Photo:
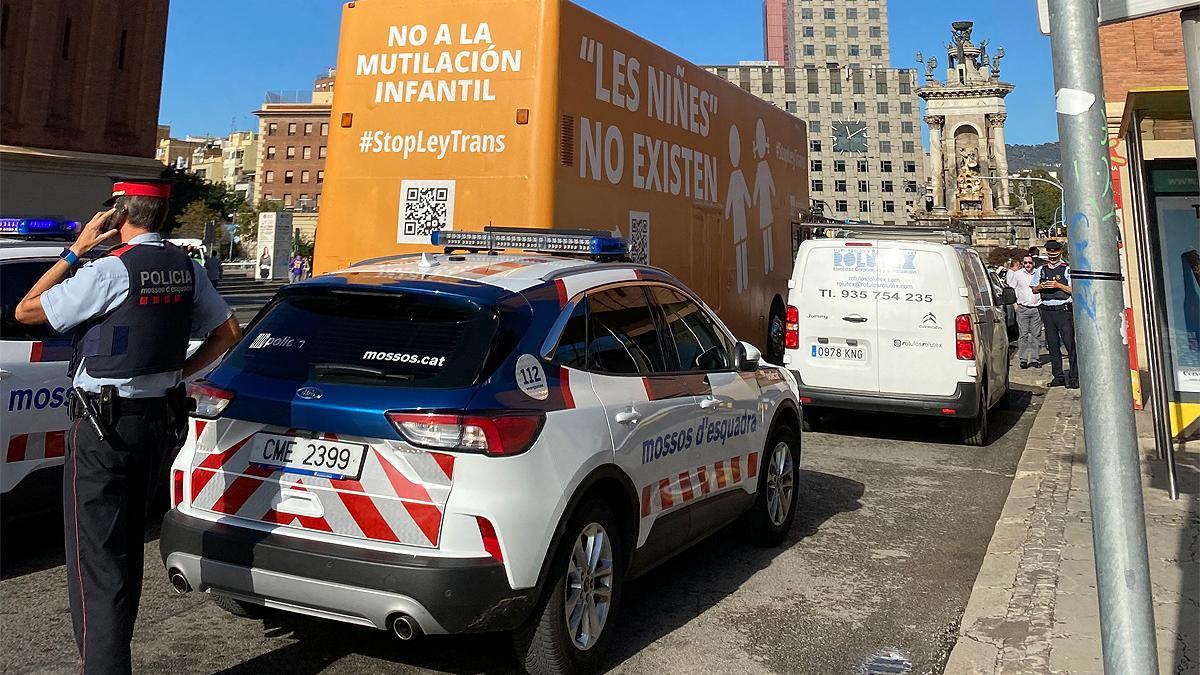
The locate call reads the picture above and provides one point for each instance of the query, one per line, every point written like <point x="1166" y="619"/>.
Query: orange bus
<point x="459" y="114"/>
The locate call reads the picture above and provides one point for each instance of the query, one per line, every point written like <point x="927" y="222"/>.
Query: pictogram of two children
<point x="740" y="199"/>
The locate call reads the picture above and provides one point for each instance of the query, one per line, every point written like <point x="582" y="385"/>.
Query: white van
<point x="898" y="325"/>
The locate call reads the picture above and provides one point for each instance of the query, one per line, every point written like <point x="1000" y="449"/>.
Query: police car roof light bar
<point x="592" y="243"/>
<point x="33" y="227"/>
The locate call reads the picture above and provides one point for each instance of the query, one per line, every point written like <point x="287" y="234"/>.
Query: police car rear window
<point x="369" y="338"/>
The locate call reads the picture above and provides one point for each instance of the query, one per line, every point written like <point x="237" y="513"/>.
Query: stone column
<point x="996" y="138"/>
<point x="937" y="168"/>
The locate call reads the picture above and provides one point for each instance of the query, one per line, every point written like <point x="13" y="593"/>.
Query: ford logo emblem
<point x="309" y="393"/>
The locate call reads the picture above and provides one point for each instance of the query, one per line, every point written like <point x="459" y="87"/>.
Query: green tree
<point x="247" y="217"/>
<point x="301" y="245"/>
<point x="1046" y="199"/>
<point x="188" y="188"/>
<point x="194" y="221"/>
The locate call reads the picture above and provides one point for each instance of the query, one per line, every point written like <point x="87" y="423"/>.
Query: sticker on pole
<point x="531" y="378"/>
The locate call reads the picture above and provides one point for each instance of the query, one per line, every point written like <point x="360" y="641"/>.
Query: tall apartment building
<point x="776" y="19"/>
<point x="866" y="161"/>
<point x="79" y="93"/>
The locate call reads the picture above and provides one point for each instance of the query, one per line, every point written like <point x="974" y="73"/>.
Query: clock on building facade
<point x="849" y="136"/>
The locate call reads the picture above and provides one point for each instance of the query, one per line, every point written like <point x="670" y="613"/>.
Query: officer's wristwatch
<point x="69" y="256"/>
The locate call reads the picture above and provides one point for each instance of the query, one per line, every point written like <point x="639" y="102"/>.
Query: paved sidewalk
<point x="1034" y="607"/>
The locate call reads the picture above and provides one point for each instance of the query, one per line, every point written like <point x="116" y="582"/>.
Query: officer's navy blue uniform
<point x="136" y="309"/>
<point x="1058" y="320"/>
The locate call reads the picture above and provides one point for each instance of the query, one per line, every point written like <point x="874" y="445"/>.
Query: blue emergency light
<point x="45" y="227"/>
<point x="534" y="240"/>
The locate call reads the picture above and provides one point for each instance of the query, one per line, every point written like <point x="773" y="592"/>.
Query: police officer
<point x="134" y="309"/>
<point x="1053" y="282"/>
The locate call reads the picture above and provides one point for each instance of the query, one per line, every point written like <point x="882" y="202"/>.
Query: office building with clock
<point x="866" y="160"/>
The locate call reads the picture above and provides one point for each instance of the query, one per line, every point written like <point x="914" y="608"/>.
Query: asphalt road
<point x="895" y="521"/>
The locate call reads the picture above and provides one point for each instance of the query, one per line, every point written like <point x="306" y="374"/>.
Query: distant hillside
<point x="1042" y="156"/>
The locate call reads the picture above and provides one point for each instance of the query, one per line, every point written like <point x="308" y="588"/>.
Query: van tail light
<point x="791" y="328"/>
<point x="176" y="488"/>
<point x="498" y="435"/>
<point x="491" y="543"/>
<point x="964" y="338"/>
<point x="210" y="401"/>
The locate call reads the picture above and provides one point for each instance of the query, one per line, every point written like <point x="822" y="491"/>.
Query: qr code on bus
<point x="426" y="206"/>
<point x="639" y="237"/>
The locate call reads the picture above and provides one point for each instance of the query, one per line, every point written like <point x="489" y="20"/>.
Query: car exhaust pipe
<point x="179" y="583"/>
<point x="405" y="627"/>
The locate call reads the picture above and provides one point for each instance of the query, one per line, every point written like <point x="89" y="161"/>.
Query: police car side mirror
<point x="746" y="357"/>
<point x="1008" y="296"/>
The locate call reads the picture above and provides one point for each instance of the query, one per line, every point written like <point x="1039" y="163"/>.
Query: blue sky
<point x="223" y="54"/>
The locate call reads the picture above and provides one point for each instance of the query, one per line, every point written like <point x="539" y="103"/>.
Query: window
<point x="863" y="166"/>
<point x="909" y="147"/>
<point x="840" y="206"/>
<point x="885" y="166"/>
<point x="888" y="186"/>
<point x="889" y="207"/>
<point x="806" y="14"/>
<point x="863" y="186"/>
<point x="790" y="106"/>
<point x="815" y="145"/>
<point x="302" y="201"/>
<point x="808" y="31"/>
<point x="873" y="13"/>
<point x="852" y="31"/>
<point x="320" y="179"/>
<point x="829" y="13"/>
<point x="876" y="31"/>
<point x="815" y="165"/>
<point x="272" y="128"/>
<point x="287" y="199"/>
<point x="906" y="127"/>
<point x="864" y="206"/>
<point x="905" y="85"/>
<point x="789" y="81"/>
<point x="744" y="78"/>
<point x="270" y="176"/>
<point x="885" y="147"/>
<point x="268" y="196"/>
<point x="881" y="107"/>
<point x="307" y="128"/>
<point x="572" y="342"/>
<point x="852" y="50"/>
<point x="768" y="81"/>
<point x="839" y="185"/>
<point x="906" y="107"/>
<point x="831" y="51"/>
<point x="304" y="176"/>
<point x="860" y="108"/>
<point x="291" y="152"/>
<point x="306" y="152"/>
<point x="814" y="86"/>
<point x="910" y="186"/>
<point x="852" y="13"/>
<point x="15" y="279"/>
<point x="885" y="127"/>
<point x="881" y="85"/>
<point x="814" y="126"/>
<point x="321" y="152"/>
<point x="818" y="186"/>
<point x="859" y="87"/>
<point x="809" y="50"/>
<point x="814" y="107"/>
<point x="698" y="344"/>
<point x="839" y="165"/>
<point x="291" y="128"/>
<point x="830" y="32"/>
<point x="910" y="167"/>
<point x="289" y="176"/>
<point x="835" y="107"/>
<point x="324" y="128"/>
<point x="270" y="152"/>
<point x="622" y="336"/>
<point x="835" y="80"/>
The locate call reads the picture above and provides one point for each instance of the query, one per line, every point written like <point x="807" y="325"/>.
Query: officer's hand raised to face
<point x="93" y="234"/>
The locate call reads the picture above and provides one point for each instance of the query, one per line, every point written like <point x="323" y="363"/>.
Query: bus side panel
<point x="434" y="89"/>
<point x="648" y="140"/>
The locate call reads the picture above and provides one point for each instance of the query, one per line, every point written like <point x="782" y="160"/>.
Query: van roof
<point x="948" y="234"/>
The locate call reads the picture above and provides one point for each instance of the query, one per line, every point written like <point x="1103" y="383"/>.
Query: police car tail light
<point x="491" y="543"/>
<point x="498" y="435"/>
<point x="210" y="401"/>
<point x="176" y="488"/>
<point x="791" y="328"/>
<point x="964" y="338"/>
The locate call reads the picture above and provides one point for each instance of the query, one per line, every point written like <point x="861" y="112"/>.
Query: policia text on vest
<point x="133" y="312"/>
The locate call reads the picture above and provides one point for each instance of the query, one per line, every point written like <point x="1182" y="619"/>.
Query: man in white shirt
<point x="1029" y="318"/>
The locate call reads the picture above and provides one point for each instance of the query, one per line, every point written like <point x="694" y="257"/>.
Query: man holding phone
<point x="1052" y="282"/>
<point x="134" y="310"/>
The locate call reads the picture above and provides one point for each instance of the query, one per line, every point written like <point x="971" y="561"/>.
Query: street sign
<point x="1114" y="11"/>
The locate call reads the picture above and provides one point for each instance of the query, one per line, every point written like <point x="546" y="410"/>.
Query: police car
<point x="33" y="359"/>
<point x="448" y="443"/>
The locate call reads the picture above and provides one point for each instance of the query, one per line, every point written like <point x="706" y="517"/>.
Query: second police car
<point x="455" y="443"/>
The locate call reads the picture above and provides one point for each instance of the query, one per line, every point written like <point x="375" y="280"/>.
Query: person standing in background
<point x="1053" y="283"/>
<point x="1029" y="317"/>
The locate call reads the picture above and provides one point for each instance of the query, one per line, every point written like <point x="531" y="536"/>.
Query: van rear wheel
<point x="776" y="329"/>
<point x="974" y="430"/>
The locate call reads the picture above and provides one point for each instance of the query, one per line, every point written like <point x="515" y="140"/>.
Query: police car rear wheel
<point x="568" y="631"/>
<point x="775" y="505"/>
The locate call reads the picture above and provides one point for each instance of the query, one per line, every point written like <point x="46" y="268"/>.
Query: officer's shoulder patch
<point x="121" y="250"/>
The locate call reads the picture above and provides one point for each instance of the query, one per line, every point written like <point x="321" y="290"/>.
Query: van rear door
<point x="919" y="298"/>
<point x="838" y="327"/>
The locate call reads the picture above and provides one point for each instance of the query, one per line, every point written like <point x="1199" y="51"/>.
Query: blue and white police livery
<point x="450" y="443"/>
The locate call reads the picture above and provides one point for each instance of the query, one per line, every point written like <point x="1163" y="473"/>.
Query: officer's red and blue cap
<point x="139" y="187"/>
